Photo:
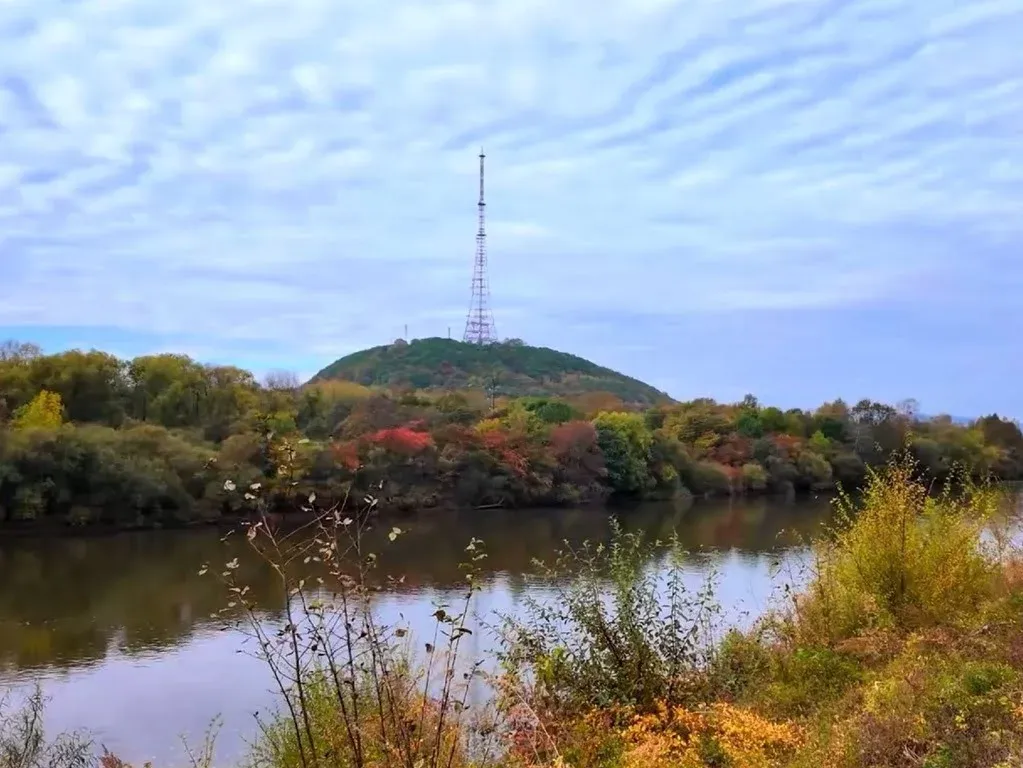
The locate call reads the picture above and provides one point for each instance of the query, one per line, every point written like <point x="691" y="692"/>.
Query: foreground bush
<point x="902" y="557"/>
<point x="905" y="649"/>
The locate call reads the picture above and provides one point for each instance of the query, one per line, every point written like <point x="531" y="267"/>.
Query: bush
<point x="900" y="558"/>
<point x="754" y="477"/>
<point x="707" y="478"/>
<point x="615" y="634"/>
<point x="23" y="744"/>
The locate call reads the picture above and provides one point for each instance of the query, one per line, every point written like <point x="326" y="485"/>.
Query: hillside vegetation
<point x="88" y="439"/>
<point x="511" y="367"/>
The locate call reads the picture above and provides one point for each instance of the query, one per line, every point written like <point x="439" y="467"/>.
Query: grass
<point x="905" y="650"/>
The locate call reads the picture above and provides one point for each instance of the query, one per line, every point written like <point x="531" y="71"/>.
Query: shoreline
<point x="61" y="530"/>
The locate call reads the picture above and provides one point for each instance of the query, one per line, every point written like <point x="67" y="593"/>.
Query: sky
<point x="802" y="199"/>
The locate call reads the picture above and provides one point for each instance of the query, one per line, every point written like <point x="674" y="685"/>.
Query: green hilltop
<point x="519" y="370"/>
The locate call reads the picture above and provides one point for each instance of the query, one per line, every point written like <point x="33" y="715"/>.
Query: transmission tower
<point x="479" y="324"/>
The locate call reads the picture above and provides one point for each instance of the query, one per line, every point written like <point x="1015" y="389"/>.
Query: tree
<point x="1001" y="432"/>
<point x="574" y="446"/>
<point x="625" y="442"/>
<point x="749" y="424"/>
<point x="754" y="477"/>
<point x="45" y="411"/>
<point x="694" y="421"/>
<point x="18" y="351"/>
<point x="171" y="390"/>
<point x="403" y="441"/>
<point x="872" y="413"/>
<point x="549" y="411"/>
<point x="92" y="385"/>
<point x="281" y="381"/>
<point x="908" y="408"/>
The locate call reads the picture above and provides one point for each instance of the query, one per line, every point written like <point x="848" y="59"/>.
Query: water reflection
<point x="118" y="628"/>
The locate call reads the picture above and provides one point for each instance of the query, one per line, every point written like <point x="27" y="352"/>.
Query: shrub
<point x="350" y="691"/>
<point x="707" y="477"/>
<point x="614" y="634"/>
<point x="754" y="477"/>
<point x="900" y="557"/>
<point x="23" y="744"/>
<point x="740" y="663"/>
<point x="720" y="735"/>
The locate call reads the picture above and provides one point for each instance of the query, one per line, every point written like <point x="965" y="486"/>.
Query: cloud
<point x="301" y="176"/>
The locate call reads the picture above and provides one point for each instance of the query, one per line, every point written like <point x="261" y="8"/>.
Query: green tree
<point x="168" y="389"/>
<point x="625" y="441"/>
<point x="549" y="410"/>
<point x="749" y="425"/>
<point x="92" y="385"/>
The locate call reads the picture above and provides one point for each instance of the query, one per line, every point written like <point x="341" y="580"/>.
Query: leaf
<point x="395" y="533"/>
<point x="400" y="632"/>
<point x="229" y="486"/>
<point x="312" y="497"/>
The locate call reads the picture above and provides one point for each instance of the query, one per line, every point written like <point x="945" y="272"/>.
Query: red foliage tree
<point x="574" y="447"/>
<point x="734" y="451"/>
<point x="404" y="441"/>
<point x="346" y="455"/>
<point x="500" y="444"/>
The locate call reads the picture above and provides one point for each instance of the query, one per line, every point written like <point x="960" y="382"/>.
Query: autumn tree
<point x="579" y="458"/>
<point x="45" y="411"/>
<point x="625" y="442"/>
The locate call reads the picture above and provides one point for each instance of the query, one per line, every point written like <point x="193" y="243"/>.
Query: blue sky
<point x="797" y="198"/>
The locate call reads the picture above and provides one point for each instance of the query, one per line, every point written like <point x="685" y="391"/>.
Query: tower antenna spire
<point x="479" y="323"/>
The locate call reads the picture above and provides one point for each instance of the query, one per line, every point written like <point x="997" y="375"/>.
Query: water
<point x="117" y="629"/>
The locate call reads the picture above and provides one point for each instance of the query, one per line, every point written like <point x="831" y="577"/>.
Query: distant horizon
<point x="304" y="377"/>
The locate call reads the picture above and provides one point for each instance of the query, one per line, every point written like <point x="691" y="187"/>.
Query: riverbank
<point x="97" y="478"/>
<point x="93" y="442"/>
<point x="903" y="649"/>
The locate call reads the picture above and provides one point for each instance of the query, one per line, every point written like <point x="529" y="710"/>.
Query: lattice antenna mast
<point x="479" y="324"/>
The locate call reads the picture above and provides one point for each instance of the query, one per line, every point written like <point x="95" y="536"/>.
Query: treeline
<point x="87" y="438"/>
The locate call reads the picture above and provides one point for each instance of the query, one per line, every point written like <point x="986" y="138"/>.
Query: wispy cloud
<point x="298" y="178"/>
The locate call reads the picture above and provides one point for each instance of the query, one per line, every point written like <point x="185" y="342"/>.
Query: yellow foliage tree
<point x="45" y="411"/>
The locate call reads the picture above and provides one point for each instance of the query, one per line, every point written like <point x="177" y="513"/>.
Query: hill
<point x="519" y="369"/>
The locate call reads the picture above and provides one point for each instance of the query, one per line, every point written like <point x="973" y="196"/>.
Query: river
<point x="117" y="629"/>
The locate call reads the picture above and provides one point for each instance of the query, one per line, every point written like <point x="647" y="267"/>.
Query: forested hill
<point x="512" y="367"/>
